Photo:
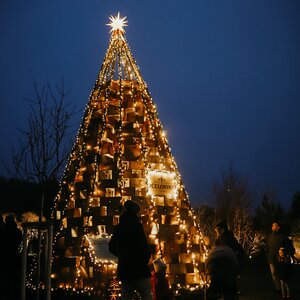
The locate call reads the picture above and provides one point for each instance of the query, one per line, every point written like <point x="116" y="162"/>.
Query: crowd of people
<point x="144" y="273"/>
<point x="129" y="244"/>
<point x="138" y="272"/>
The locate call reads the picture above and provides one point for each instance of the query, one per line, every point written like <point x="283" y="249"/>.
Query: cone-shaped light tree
<point x="120" y="153"/>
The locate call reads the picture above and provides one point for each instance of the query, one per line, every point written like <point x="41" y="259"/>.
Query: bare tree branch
<point x="232" y="198"/>
<point x="45" y="144"/>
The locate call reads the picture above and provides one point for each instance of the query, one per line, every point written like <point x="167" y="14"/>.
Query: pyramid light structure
<point x="121" y="152"/>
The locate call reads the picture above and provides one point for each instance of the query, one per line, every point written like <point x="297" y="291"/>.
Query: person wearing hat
<point x="129" y="244"/>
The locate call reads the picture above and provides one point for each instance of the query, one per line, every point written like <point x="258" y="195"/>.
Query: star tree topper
<point x="117" y="23"/>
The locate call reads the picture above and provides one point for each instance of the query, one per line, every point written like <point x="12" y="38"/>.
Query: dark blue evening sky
<point x="225" y="76"/>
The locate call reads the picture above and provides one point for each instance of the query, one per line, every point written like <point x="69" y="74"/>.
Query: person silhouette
<point x="284" y="269"/>
<point x="160" y="283"/>
<point x="129" y="244"/>
<point x="222" y="267"/>
<point x="226" y="237"/>
<point x="276" y="240"/>
<point x="2" y="257"/>
<point x="12" y="237"/>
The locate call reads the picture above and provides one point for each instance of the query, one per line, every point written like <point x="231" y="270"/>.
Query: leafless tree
<point x="46" y="142"/>
<point x="267" y="212"/>
<point x="232" y="198"/>
<point x="207" y="220"/>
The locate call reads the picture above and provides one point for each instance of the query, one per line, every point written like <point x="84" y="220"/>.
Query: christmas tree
<point x="121" y="152"/>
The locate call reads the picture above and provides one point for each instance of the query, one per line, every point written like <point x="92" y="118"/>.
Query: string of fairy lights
<point x="149" y="131"/>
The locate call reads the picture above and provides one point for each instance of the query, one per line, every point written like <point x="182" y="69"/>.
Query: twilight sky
<point x="225" y="76"/>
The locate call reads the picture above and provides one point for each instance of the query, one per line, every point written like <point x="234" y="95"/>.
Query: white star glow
<point x="117" y="23"/>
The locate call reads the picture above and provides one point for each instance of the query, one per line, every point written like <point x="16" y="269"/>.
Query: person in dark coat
<point x="226" y="237"/>
<point x="222" y="267"/>
<point x="284" y="269"/>
<point x="129" y="244"/>
<point x="274" y="242"/>
<point x="12" y="238"/>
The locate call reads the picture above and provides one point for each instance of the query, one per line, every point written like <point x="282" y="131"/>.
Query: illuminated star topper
<point x="117" y="23"/>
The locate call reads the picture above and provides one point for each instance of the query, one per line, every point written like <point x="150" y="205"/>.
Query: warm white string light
<point x="118" y="92"/>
